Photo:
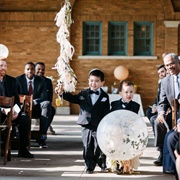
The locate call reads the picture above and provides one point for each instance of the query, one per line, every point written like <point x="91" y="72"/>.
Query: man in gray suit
<point x="168" y="92"/>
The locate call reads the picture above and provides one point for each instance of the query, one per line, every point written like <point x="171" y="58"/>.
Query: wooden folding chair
<point x="175" y="115"/>
<point x="27" y="104"/>
<point x="5" y="127"/>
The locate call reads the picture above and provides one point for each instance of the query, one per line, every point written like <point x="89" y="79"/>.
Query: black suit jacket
<point x="49" y="87"/>
<point x="10" y="89"/>
<point x="90" y="115"/>
<point x="131" y="106"/>
<point x="39" y="91"/>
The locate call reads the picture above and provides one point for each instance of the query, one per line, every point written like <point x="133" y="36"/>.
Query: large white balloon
<point x="122" y="135"/>
<point x="4" y="52"/>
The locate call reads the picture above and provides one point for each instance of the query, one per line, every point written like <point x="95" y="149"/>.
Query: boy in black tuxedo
<point x="94" y="105"/>
<point x="126" y="91"/>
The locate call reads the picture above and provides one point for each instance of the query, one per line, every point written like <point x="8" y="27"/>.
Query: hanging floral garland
<point x="67" y="78"/>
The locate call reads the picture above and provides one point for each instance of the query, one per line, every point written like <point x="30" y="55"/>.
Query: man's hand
<point x="160" y="117"/>
<point x="5" y="110"/>
<point x="14" y="115"/>
<point x="154" y="108"/>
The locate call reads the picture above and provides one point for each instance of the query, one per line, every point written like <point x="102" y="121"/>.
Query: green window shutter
<point x="117" y="38"/>
<point x="92" y="38"/>
<point x="143" y="38"/>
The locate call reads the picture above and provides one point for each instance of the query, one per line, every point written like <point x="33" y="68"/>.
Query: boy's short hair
<point x="97" y="72"/>
<point x="126" y="83"/>
<point x="161" y="66"/>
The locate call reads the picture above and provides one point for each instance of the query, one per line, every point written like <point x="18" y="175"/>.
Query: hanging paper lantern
<point x="121" y="73"/>
<point x="4" y="52"/>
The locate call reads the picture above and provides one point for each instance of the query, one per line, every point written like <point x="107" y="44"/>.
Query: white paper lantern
<point x="122" y="135"/>
<point x="4" y="52"/>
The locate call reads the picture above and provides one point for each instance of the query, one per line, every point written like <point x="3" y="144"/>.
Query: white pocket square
<point x="103" y="99"/>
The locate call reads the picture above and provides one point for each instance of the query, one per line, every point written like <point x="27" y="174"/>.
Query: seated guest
<point x="40" y="71"/>
<point x="177" y="150"/>
<point x="29" y="84"/>
<point x="152" y="110"/>
<point x="8" y="89"/>
<point x="169" y="89"/>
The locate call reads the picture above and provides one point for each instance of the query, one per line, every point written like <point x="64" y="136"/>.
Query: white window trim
<point x="120" y="57"/>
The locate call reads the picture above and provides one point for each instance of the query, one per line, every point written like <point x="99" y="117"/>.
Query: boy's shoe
<point x="104" y="170"/>
<point x="42" y="142"/>
<point x="89" y="172"/>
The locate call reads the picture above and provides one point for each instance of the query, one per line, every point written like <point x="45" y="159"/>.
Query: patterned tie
<point x="30" y="88"/>
<point x="176" y="86"/>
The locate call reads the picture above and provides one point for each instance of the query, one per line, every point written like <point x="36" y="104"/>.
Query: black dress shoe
<point x="104" y="170"/>
<point x="158" y="162"/>
<point x="42" y="142"/>
<point x="89" y="172"/>
<point x="25" y="153"/>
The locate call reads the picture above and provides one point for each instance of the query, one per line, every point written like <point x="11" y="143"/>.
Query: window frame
<point x="125" y="24"/>
<point x="95" y="23"/>
<point x="143" y="53"/>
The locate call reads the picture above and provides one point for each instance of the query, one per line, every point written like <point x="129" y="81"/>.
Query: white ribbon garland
<point x="67" y="78"/>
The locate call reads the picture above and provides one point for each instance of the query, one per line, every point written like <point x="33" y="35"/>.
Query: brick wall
<point x="28" y="30"/>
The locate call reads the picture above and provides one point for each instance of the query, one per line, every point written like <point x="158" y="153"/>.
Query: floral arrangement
<point x="67" y="78"/>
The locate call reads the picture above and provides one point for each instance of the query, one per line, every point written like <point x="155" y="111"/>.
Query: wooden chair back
<point x="175" y="108"/>
<point x="27" y="104"/>
<point x="5" y="127"/>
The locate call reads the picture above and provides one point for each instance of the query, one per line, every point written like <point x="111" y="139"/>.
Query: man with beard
<point x="8" y="89"/>
<point x="40" y="71"/>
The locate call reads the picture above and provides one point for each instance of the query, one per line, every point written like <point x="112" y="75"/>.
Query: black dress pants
<point x="91" y="151"/>
<point x="160" y="131"/>
<point x="23" y="123"/>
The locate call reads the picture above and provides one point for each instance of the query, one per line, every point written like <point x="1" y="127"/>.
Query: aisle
<point x="63" y="158"/>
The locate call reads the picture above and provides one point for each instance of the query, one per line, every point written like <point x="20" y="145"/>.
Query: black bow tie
<point x="124" y="103"/>
<point x="94" y="92"/>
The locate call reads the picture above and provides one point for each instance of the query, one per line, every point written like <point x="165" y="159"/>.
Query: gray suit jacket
<point x="167" y="93"/>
